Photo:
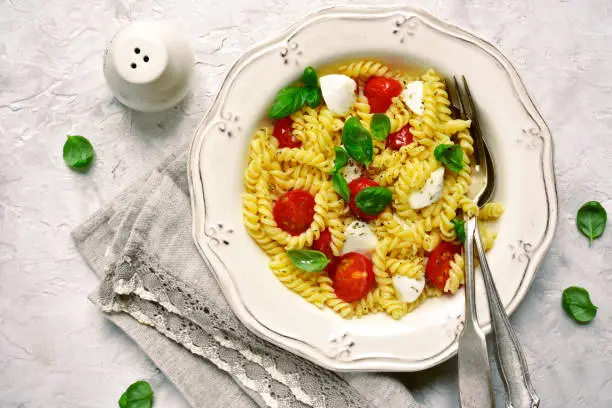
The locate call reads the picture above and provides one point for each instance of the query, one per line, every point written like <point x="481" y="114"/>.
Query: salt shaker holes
<point x="148" y="57"/>
<point x="136" y="51"/>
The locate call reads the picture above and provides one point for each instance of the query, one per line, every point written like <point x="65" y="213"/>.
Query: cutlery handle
<point x="511" y="361"/>
<point x="470" y="273"/>
<point x="475" y="387"/>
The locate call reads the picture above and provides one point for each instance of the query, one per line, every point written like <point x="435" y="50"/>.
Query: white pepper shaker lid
<point x="148" y="66"/>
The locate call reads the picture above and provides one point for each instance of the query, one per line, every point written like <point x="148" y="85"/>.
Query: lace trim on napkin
<point x="138" y="285"/>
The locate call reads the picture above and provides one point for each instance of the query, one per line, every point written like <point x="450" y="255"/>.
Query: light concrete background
<point x="56" y="350"/>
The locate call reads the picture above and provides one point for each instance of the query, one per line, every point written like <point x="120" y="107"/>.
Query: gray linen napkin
<point x="157" y="289"/>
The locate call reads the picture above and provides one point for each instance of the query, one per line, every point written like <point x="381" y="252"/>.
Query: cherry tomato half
<point x="400" y="138"/>
<point x="355" y="187"/>
<point x="354" y="277"/>
<point x="379" y="91"/>
<point x="294" y="211"/>
<point x="438" y="265"/>
<point x="323" y="244"/>
<point x="283" y="132"/>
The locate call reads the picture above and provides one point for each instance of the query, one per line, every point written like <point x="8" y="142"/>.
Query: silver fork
<point x="511" y="362"/>
<point x="475" y="387"/>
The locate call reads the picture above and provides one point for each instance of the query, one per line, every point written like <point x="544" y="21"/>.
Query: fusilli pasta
<point x="407" y="237"/>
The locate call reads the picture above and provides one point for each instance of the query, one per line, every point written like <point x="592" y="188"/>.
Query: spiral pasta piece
<point x="398" y="114"/>
<point x="490" y="211"/>
<point x="305" y="118"/>
<point x="329" y="297"/>
<point x="336" y="229"/>
<point x="302" y="177"/>
<point x="403" y="77"/>
<point x="254" y="228"/>
<point x="361" y="109"/>
<point x="301" y="283"/>
<point x="454" y="126"/>
<point x="456" y="274"/>
<point x="411" y="268"/>
<point x="252" y="175"/>
<point x="424" y="127"/>
<point x="469" y="207"/>
<point x="370" y="303"/>
<point x="330" y="122"/>
<point x="260" y="142"/>
<point x="388" y="176"/>
<point x="301" y="156"/>
<point x="365" y="69"/>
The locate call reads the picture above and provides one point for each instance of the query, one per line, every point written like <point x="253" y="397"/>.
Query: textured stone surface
<point x="57" y="350"/>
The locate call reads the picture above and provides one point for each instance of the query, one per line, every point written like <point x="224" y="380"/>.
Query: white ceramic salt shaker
<point x="148" y="66"/>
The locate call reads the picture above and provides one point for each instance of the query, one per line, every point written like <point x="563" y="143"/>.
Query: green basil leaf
<point x="577" y="304"/>
<point x="459" y="229"/>
<point x="451" y="155"/>
<point x="313" y="96"/>
<point x="341" y="186"/>
<point x="380" y="126"/>
<point x="287" y="101"/>
<point x="138" y="395"/>
<point x="591" y="220"/>
<point x="308" y="260"/>
<point x="357" y="141"/>
<point x="310" y="77"/>
<point x="373" y="200"/>
<point x="78" y="152"/>
<point x="341" y="159"/>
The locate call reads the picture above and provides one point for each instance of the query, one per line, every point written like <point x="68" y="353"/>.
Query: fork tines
<point x="463" y="103"/>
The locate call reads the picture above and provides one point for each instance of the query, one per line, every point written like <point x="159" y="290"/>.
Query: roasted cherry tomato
<point x="380" y="91"/>
<point x="354" y="277"/>
<point x="323" y="244"/>
<point x="438" y="265"/>
<point x="355" y="187"/>
<point x="294" y="211"/>
<point x="400" y="138"/>
<point x="283" y="132"/>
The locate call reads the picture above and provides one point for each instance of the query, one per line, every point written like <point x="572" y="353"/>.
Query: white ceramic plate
<point x="519" y="139"/>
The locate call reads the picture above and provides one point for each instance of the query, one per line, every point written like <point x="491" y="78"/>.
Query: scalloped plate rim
<point x="298" y="346"/>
